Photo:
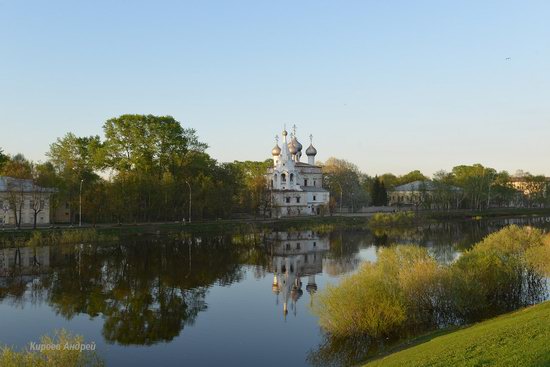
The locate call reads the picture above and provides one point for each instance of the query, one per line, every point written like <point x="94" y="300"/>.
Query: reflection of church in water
<point x="296" y="256"/>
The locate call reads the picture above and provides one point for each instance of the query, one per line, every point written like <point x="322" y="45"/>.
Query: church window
<point x="283" y="177"/>
<point x="297" y="199"/>
<point x="305" y="182"/>
<point x="287" y="200"/>
<point x="314" y="183"/>
<point x="314" y="197"/>
<point x="292" y="177"/>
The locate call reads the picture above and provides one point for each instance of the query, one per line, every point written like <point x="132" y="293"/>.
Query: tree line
<point x="148" y="168"/>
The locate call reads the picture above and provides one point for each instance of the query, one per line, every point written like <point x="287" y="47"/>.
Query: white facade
<point x="296" y="187"/>
<point x="24" y="198"/>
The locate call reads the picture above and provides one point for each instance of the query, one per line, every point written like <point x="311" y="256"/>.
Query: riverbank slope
<point x="516" y="339"/>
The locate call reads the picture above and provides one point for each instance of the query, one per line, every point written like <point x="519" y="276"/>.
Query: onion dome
<point x="276" y="150"/>
<point x="295" y="294"/>
<point x="292" y="148"/>
<point x="311" y="150"/>
<point x="297" y="144"/>
<point x="285" y="133"/>
<point x="311" y="288"/>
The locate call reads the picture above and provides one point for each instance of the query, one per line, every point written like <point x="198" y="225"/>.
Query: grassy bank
<point x="12" y="237"/>
<point x="516" y="339"/>
<point x="489" y="213"/>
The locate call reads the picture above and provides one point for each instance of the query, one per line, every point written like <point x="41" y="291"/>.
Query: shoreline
<point x="339" y="221"/>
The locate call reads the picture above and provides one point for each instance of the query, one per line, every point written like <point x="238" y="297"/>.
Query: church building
<point x="296" y="187"/>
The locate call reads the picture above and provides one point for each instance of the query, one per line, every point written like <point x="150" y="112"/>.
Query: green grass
<point x="521" y="338"/>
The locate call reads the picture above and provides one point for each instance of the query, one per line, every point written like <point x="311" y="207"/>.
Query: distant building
<point x="296" y="187"/>
<point x="24" y="198"/>
<point x="424" y="194"/>
<point x="532" y="190"/>
<point x="530" y="185"/>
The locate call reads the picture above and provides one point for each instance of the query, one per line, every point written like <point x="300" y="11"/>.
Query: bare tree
<point x="38" y="201"/>
<point x="16" y="198"/>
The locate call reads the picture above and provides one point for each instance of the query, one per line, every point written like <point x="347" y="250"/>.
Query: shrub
<point x="382" y="296"/>
<point x="65" y="357"/>
<point x="407" y="288"/>
<point x="392" y="219"/>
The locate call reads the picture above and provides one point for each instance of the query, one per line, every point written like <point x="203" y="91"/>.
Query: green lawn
<point x="521" y="338"/>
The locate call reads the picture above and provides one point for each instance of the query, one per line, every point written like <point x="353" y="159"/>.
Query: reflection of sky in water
<point x="244" y="322"/>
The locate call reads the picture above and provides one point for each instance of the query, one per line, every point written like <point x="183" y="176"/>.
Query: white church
<point x="296" y="187"/>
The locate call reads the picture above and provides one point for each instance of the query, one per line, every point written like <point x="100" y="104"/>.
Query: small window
<point x="314" y="183"/>
<point x="288" y="246"/>
<point x="314" y="197"/>
<point x="314" y="244"/>
<point x="298" y="246"/>
<point x="287" y="200"/>
<point x="297" y="199"/>
<point x="305" y="182"/>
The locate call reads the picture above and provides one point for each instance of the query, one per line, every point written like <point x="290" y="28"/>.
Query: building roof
<point x="27" y="185"/>
<point x="426" y="185"/>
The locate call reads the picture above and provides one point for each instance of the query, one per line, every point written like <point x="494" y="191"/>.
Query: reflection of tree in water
<point x="147" y="291"/>
<point x="343" y="256"/>
<point x="341" y="351"/>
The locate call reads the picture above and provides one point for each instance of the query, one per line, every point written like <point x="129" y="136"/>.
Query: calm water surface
<point x="203" y="301"/>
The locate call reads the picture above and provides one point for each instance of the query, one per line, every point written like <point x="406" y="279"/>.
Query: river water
<point x="175" y="300"/>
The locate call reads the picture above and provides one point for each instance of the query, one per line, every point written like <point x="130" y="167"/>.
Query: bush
<point x="392" y="219"/>
<point x="407" y="288"/>
<point x="65" y="357"/>
<point x="381" y="297"/>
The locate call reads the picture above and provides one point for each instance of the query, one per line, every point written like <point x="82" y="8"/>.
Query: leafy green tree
<point x="343" y="180"/>
<point x="3" y="159"/>
<point x="412" y="176"/>
<point x="476" y="181"/>
<point x="75" y="161"/>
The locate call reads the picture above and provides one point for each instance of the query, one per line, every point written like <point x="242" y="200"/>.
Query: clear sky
<point x="389" y="85"/>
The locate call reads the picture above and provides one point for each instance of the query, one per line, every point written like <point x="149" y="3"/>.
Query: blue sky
<point x="389" y="85"/>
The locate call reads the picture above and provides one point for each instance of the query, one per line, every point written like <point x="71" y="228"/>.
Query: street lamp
<point x="188" y="184"/>
<point x="80" y="205"/>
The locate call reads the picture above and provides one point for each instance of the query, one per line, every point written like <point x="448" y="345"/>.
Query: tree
<point x="3" y="159"/>
<point x="476" y="181"/>
<point x="378" y="192"/>
<point x="72" y="160"/>
<point x="344" y="181"/>
<point x="412" y="176"/>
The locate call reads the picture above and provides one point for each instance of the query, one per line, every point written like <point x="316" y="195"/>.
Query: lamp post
<point x="80" y="205"/>
<point x="188" y="184"/>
